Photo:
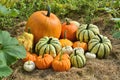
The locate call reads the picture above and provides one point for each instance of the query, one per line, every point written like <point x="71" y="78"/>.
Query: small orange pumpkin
<point x="80" y="44"/>
<point x="44" y="61"/>
<point x="71" y="30"/>
<point x="30" y="56"/>
<point x="44" y="23"/>
<point x="61" y="62"/>
<point x="65" y="42"/>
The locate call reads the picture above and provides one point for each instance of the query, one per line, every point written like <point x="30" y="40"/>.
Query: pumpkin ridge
<point x="97" y="50"/>
<point x="77" y="61"/>
<point x="105" y="53"/>
<point x="83" y="37"/>
<point x="81" y="60"/>
<point x="93" y="47"/>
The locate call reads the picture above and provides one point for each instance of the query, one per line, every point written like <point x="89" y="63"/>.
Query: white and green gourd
<point x="77" y="58"/>
<point x="100" y="45"/>
<point x="86" y="32"/>
<point x="48" y="45"/>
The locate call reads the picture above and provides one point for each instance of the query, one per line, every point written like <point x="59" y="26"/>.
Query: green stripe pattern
<point x="77" y="58"/>
<point x="48" y="45"/>
<point x="85" y="32"/>
<point x="100" y="45"/>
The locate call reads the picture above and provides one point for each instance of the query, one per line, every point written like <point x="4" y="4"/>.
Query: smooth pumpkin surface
<point x="41" y="24"/>
<point x="70" y="30"/>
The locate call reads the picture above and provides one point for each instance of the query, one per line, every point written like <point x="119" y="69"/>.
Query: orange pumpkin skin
<point x="44" y="62"/>
<point x="62" y="64"/>
<point x="80" y="44"/>
<point x="70" y="31"/>
<point x="30" y="56"/>
<point x="42" y="25"/>
<point x="65" y="42"/>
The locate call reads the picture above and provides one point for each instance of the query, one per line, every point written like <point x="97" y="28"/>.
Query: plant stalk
<point x="48" y="13"/>
<point x="0" y="46"/>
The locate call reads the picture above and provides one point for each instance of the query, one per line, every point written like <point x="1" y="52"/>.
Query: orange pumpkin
<point x="71" y="30"/>
<point x="61" y="62"/>
<point x="44" y="23"/>
<point x="44" y="61"/>
<point x="64" y="41"/>
<point x="30" y="56"/>
<point x="80" y="44"/>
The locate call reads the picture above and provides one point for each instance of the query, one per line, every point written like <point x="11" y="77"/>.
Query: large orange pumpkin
<point x="70" y="29"/>
<point x="44" y="23"/>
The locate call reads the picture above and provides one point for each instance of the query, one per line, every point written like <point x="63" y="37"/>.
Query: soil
<point x="95" y="69"/>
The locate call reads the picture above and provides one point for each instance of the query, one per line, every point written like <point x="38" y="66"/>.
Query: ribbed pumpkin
<point x="100" y="45"/>
<point x="44" y="61"/>
<point x="64" y="41"/>
<point x="61" y="62"/>
<point x="44" y="23"/>
<point x="77" y="58"/>
<point x="30" y="57"/>
<point x="48" y="45"/>
<point x="70" y="29"/>
<point x="86" y="31"/>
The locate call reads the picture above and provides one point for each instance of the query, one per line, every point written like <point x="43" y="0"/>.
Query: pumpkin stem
<point x="61" y="56"/>
<point x="101" y="40"/>
<point x="0" y="46"/>
<point x="65" y="34"/>
<point x="67" y="22"/>
<point x="29" y="31"/>
<point x="75" y="51"/>
<point x="87" y="26"/>
<point x="49" y="40"/>
<point x="48" y="13"/>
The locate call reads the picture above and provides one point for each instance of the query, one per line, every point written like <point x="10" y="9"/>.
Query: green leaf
<point x="10" y="52"/>
<point x="5" y="71"/>
<point x="116" y="35"/>
<point x="17" y="51"/>
<point x="3" y="10"/>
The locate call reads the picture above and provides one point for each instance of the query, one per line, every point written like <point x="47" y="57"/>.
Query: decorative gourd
<point x="75" y="22"/>
<point x="90" y="55"/>
<point x="67" y="49"/>
<point x="77" y="58"/>
<point x="71" y="30"/>
<point x="61" y="62"/>
<point x="44" y="23"/>
<point x="100" y="45"/>
<point x="44" y="61"/>
<point x="65" y="42"/>
<point x="86" y="31"/>
<point x="30" y="57"/>
<point x="29" y="66"/>
<point x="26" y="39"/>
<point x="48" y="45"/>
<point x="80" y="44"/>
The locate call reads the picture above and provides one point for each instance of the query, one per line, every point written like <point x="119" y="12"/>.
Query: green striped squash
<point x="100" y="45"/>
<point x="77" y="58"/>
<point x="48" y="45"/>
<point x="86" y="31"/>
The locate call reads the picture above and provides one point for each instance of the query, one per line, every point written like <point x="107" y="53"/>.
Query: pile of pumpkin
<point x="61" y="46"/>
